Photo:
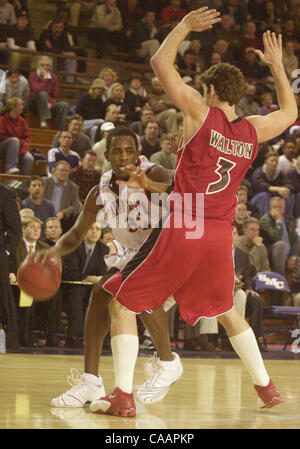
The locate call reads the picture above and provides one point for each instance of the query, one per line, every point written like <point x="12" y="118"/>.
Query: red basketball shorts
<point x="199" y="273"/>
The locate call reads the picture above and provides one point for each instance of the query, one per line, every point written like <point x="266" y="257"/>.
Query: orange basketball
<point x="39" y="280"/>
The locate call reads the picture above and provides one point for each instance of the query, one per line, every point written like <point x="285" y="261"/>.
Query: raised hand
<point x="137" y="177"/>
<point x="202" y="19"/>
<point x="272" y="54"/>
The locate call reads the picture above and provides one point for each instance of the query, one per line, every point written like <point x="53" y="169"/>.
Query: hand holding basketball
<point x="39" y="280"/>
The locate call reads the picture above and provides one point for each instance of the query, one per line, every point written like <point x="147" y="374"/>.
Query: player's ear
<point x="106" y="154"/>
<point x="212" y="91"/>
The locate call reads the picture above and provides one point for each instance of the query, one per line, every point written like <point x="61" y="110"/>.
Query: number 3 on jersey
<point x="223" y="170"/>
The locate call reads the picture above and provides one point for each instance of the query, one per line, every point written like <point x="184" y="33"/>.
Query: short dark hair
<point x="90" y="152"/>
<point x="34" y="178"/>
<point x="121" y="131"/>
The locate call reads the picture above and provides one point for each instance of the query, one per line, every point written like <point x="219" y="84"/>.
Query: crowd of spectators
<point x="267" y="214"/>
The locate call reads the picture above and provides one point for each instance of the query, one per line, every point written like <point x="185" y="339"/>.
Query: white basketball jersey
<point x="126" y="213"/>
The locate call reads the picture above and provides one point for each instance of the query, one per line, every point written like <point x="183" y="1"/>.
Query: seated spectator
<point x="109" y="77"/>
<point x="27" y="316"/>
<point x="53" y="230"/>
<point x="166" y="158"/>
<point x="174" y="9"/>
<point x="163" y="108"/>
<point x="247" y="105"/>
<point x="215" y="59"/>
<point x="85" y="264"/>
<point x="249" y="305"/>
<point x="242" y="195"/>
<point x="289" y="59"/>
<point x="15" y="138"/>
<point x="250" y="66"/>
<point x="225" y="31"/>
<point x="268" y="105"/>
<point x="149" y="141"/>
<point x="196" y="46"/>
<point x="132" y="12"/>
<point x="237" y="12"/>
<point x="146" y="114"/>
<point x="187" y="64"/>
<point x="112" y="118"/>
<point x="294" y="178"/>
<point x="4" y="55"/>
<point x="164" y="30"/>
<point x="54" y="39"/>
<point x="116" y="95"/>
<point x="252" y="243"/>
<point x="142" y="39"/>
<point x="249" y="38"/>
<point x="287" y="161"/>
<point x="241" y="215"/>
<point x="63" y="152"/>
<point x="80" y="141"/>
<point x="20" y="36"/>
<point x="26" y="213"/>
<point x="290" y="32"/>
<point x="100" y="147"/>
<point x="91" y="107"/>
<point x="43" y="85"/>
<point x="106" y="25"/>
<point x="86" y="176"/>
<point x="64" y="194"/>
<point x="19" y="6"/>
<point x="269" y="181"/>
<point x="135" y="96"/>
<point x="107" y="236"/>
<point x="15" y="85"/>
<point x="8" y="15"/>
<point x="281" y="239"/>
<point x="63" y="13"/>
<point x="257" y="10"/>
<point x="83" y="8"/>
<point x="41" y="207"/>
<point x="225" y="51"/>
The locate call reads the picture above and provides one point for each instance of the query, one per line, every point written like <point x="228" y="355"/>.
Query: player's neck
<point x="228" y="110"/>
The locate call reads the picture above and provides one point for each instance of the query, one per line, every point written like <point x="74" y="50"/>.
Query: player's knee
<point x="99" y="296"/>
<point x="117" y="311"/>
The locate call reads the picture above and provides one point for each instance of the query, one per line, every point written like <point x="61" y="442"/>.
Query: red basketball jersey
<point x="215" y="161"/>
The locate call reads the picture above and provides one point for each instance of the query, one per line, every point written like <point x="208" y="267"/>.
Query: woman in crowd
<point x="15" y="138"/>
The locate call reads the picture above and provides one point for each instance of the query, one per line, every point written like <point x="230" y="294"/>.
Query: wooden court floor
<point x="212" y="394"/>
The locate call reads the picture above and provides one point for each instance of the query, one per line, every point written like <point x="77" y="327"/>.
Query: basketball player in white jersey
<point x="102" y="202"/>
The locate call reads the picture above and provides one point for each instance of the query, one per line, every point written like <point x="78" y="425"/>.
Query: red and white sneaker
<point x="268" y="396"/>
<point x="117" y="403"/>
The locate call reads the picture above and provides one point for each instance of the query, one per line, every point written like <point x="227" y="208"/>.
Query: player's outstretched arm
<point x="274" y="124"/>
<point x="69" y="241"/>
<point x="138" y="179"/>
<point x="184" y="97"/>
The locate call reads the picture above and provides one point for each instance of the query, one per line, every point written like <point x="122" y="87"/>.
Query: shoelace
<point x="75" y="378"/>
<point x="157" y="372"/>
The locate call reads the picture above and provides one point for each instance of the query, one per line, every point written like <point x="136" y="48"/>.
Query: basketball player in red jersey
<point x="122" y="149"/>
<point x="217" y="152"/>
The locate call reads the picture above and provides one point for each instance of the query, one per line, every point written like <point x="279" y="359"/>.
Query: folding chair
<point x="286" y="318"/>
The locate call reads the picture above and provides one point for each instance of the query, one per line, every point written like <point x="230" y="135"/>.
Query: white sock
<point x="245" y="345"/>
<point x="125" y="349"/>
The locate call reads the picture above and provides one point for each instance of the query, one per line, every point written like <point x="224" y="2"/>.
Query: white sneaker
<point x="164" y="376"/>
<point x="82" y="391"/>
